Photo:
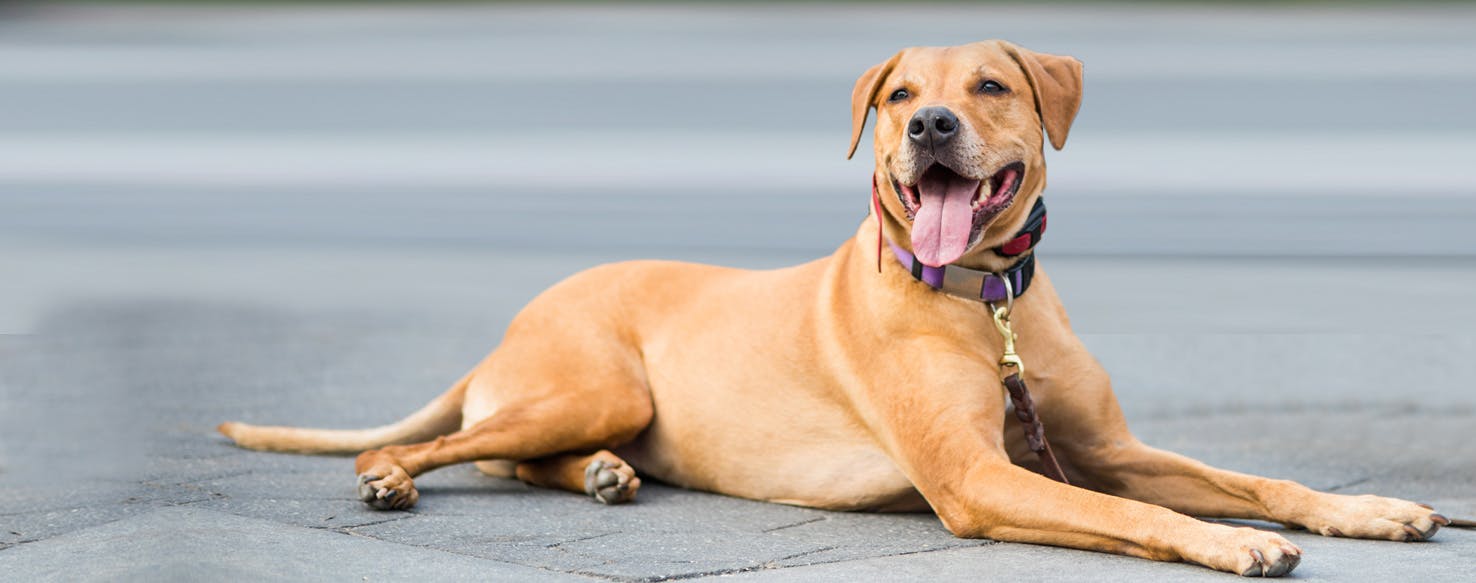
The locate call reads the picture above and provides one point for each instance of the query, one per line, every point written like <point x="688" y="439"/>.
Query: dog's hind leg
<point x="602" y="475"/>
<point x="523" y="430"/>
<point x="568" y="377"/>
<point x="498" y="468"/>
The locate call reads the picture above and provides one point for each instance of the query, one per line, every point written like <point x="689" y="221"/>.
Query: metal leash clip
<point x="1002" y="324"/>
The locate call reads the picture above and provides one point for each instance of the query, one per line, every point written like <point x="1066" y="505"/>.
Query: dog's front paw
<point x="610" y="482"/>
<point x="1248" y="552"/>
<point x="387" y="488"/>
<point x="1377" y="517"/>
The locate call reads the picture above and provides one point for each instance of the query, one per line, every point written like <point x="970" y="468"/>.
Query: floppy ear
<point x="863" y="97"/>
<point x="1056" y="81"/>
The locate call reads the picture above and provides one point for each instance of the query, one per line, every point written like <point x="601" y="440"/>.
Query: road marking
<point x="1157" y="163"/>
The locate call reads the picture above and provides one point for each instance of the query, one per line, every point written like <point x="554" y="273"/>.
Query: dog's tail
<point x="440" y="417"/>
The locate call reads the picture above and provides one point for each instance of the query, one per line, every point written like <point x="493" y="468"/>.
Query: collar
<point x="973" y="284"/>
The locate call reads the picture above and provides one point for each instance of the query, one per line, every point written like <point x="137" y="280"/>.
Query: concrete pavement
<point x="112" y="469"/>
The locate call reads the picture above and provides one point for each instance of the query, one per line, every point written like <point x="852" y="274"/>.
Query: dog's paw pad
<point x="395" y="491"/>
<point x="610" y="482"/>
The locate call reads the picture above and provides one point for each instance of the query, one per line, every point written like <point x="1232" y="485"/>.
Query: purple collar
<point x="978" y="285"/>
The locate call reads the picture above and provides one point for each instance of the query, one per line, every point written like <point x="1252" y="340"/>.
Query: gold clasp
<point x="1010" y="358"/>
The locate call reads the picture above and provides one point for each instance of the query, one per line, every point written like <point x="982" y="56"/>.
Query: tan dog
<point x="834" y="385"/>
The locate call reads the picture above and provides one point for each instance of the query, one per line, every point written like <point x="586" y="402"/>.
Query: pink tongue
<point x="940" y="230"/>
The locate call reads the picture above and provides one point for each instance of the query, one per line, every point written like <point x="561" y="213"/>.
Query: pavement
<point x="324" y="215"/>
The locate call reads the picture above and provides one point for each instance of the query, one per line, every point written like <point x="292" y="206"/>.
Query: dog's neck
<point x="974" y="284"/>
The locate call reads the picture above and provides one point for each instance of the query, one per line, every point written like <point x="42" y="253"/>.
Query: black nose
<point x="932" y="126"/>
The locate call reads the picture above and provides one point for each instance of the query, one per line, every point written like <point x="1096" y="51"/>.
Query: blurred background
<point x="1265" y="167"/>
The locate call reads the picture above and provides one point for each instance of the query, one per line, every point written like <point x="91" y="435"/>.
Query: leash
<point x="1012" y="373"/>
<point x="989" y="288"/>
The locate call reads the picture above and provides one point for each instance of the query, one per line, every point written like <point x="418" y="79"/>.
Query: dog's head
<point x="959" y="144"/>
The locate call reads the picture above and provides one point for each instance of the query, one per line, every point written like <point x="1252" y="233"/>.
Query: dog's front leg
<point x="1087" y="428"/>
<point x="947" y="438"/>
<point x="1140" y="472"/>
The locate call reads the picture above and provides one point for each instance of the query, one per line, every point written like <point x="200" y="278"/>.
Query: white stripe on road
<point x="489" y="61"/>
<point x="717" y="43"/>
<point x="1147" y="163"/>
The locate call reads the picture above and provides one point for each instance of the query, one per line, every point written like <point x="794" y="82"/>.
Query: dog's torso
<point x="730" y="359"/>
<point x="773" y="367"/>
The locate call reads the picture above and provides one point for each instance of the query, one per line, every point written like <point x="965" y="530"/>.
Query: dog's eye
<point x="899" y="95"/>
<point x="992" y="87"/>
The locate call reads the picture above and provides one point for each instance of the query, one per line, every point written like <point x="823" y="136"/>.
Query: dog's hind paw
<point x="392" y="491"/>
<point x="610" y="482"/>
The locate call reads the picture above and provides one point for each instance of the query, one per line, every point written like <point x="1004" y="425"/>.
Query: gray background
<point x="1262" y="225"/>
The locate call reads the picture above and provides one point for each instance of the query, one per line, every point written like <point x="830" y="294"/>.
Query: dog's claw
<point x="1417" y="535"/>
<point x="1258" y="565"/>
<point x="1271" y="556"/>
<point x="1289" y="562"/>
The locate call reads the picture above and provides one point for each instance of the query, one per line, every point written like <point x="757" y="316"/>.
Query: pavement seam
<point x="347" y="527"/>
<point x="99" y="504"/>
<point x="7" y="546"/>
<point x="61" y="534"/>
<point x="559" y="544"/>
<point x="972" y="543"/>
<point x="351" y="532"/>
<point x="800" y="523"/>
<point x="773" y="564"/>
<point x="677" y="577"/>
<point x="767" y="565"/>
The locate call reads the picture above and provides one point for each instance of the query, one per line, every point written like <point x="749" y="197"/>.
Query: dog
<point x="864" y="380"/>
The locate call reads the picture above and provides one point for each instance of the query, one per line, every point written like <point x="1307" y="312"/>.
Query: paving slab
<point x="191" y="544"/>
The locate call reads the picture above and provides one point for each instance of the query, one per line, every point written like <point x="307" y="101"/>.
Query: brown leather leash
<point x="1012" y="369"/>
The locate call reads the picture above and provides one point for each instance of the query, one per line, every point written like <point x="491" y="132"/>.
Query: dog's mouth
<point x="949" y="211"/>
